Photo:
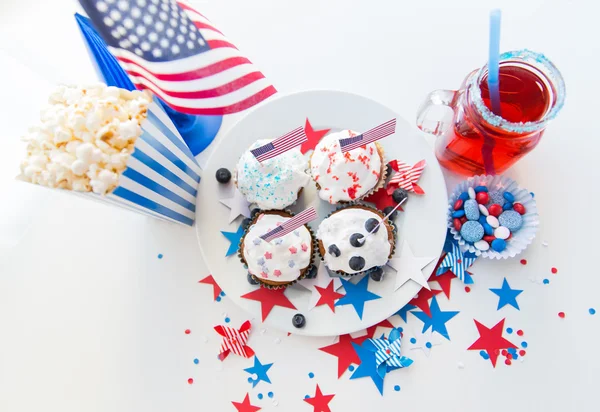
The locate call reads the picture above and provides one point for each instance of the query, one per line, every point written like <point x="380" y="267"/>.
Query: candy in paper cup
<point x="521" y="238"/>
<point x="154" y="172"/>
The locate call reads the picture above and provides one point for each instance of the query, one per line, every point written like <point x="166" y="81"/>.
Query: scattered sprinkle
<point x="523" y="261"/>
<point x="413" y="340"/>
<point x="484" y="354"/>
<point x="270" y="394"/>
<point x="196" y="361"/>
<point x="222" y="293"/>
<point x="546" y="281"/>
<point x="524" y="344"/>
<point x="218" y="299"/>
<point x="397" y="388"/>
<point x="259" y="396"/>
<point x="227" y="320"/>
<point x="187" y="331"/>
<point x="561" y="315"/>
<point x="504" y="352"/>
<point x="160" y="255"/>
<point x="592" y="311"/>
<point x="351" y="368"/>
<point x="190" y="381"/>
<point x="250" y="380"/>
<point x="554" y="270"/>
<point x="311" y="375"/>
<point x="522" y="352"/>
<point x="306" y="396"/>
<point x="428" y="345"/>
<point x="509" y="330"/>
<point x="467" y="289"/>
<point x="507" y="361"/>
<point x="520" y="332"/>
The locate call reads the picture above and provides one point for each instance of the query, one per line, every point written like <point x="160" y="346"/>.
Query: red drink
<point x="477" y="141"/>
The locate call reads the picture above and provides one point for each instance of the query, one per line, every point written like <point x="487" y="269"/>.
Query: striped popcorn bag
<point x="117" y="146"/>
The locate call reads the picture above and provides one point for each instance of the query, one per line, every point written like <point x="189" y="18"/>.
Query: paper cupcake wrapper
<point x="380" y="214"/>
<point x="259" y="280"/>
<point x="521" y="238"/>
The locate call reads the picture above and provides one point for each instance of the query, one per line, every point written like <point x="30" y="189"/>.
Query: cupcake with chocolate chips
<point x="350" y="176"/>
<point x="351" y="242"/>
<point x="282" y="261"/>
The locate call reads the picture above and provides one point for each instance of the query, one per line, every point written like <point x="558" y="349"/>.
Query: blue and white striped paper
<point x="162" y="175"/>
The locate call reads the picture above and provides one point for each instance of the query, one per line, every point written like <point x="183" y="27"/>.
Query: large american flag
<point x="292" y="224"/>
<point x="369" y="136"/>
<point x="169" y="48"/>
<point x="280" y="145"/>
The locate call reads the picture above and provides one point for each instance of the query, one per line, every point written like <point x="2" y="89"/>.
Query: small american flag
<point x="367" y="137"/>
<point x="280" y="145"/>
<point x="169" y="48"/>
<point x="289" y="226"/>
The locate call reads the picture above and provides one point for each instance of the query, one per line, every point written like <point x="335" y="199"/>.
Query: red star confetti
<point x="491" y="340"/>
<point x="344" y="351"/>
<point x="245" y="406"/>
<point x="269" y="298"/>
<point x="381" y="199"/>
<point x="328" y="296"/>
<point x="406" y="177"/>
<point x="209" y="280"/>
<point x="422" y="300"/>
<point x="444" y="281"/>
<point x="319" y="402"/>
<point x="313" y="136"/>
<point x="234" y="340"/>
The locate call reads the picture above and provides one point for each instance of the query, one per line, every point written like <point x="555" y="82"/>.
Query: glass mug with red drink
<point x="477" y="140"/>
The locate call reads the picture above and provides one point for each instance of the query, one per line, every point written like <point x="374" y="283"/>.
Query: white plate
<point x="423" y="224"/>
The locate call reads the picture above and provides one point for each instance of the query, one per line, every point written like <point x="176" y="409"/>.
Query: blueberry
<point x="223" y="175"/>
<point x="312" y="272"/>
<point x="252" y="280"/>
<point x="334" y="250"/>
<point x="245" y="223"/>
<point x="355" y="239"/>
<point x="356" y="263"/>
<point x="399" y="195"/>
<point x="371" y="224"/>
<point x="298" y="320"/>
<point x="377" y="274"/>
<point x="387" y="210"/>
<point x="254" y="212"/>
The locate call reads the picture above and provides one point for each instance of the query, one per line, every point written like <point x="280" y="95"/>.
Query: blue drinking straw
<point x="494" y="61"/>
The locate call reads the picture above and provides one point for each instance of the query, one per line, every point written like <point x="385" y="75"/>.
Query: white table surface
<point x="92" y="320"/>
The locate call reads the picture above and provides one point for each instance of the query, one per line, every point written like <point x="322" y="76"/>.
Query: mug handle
<point x="427" y="120"/>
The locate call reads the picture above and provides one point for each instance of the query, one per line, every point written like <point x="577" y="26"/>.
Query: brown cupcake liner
<point x="303" y="273"/>
<point x="383" y="175"/>
<point x="392" y="240"/>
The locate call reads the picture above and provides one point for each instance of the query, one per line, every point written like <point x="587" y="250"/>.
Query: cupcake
<point x="275" y="183"/>
<point x="284" y="260"/>
<point x="346" y="177"/>
<point x="342" y="244"/>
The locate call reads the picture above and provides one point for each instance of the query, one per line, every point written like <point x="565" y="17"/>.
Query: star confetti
<point x="313" y="136"/>
<point x="409" y="267"/>
<point x="328" y="296"/>
<point x="260" y="371"/>
<point x="388" y="356"/>
<point x="406" y="177"/>
<point x="458" y="262"/>
<point x="445" y="280"/>
<point x="491" y="340"/>
<point x="357" y="295"/>
<point x="238" y="205"/>
<point x="507" y="295"/>
<point x="403" y="312"/>
<point x="438" y="319"/>
<point x="245" y="405"/>
<point x="344" y="351"/>
<point x="421" y="300"/>
<point x="381" y="199"/>
<point x="234" y="340"/>
<point x="424" y="341"/>
<point x="234" y="240"/>
<point x="367" y="366"/>
<point x="269" y="298"/>
<point x="209" y="280"/>
<point x="319" y="402"/>
<point x="322" y="280"/>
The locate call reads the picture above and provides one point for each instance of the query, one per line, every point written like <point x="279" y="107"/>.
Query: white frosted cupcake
<point x="275" y="183"/>
<point x="346" y="177"/>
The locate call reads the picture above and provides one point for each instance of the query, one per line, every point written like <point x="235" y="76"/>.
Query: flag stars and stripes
<point x="280" y="145"/>
<point x="290" y="225"/>
<point x="383" y="130"/>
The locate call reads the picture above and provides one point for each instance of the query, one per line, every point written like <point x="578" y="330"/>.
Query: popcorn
<point x="85" y="138"/>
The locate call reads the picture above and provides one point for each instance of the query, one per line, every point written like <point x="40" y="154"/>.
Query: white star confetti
<point x="238" y="205"/>
<point x="409" y="267"/>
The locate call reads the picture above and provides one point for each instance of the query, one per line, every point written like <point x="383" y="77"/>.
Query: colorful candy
<point x="471" y="209"/>
<point x="519" y="208"/>
<point x="458" y="204"/>
<point x="471" y="192"/>
<point x="463" y="196"/>
<point x="458" y="213"/>
<point x="483" y="210"/>
<point x="499" y="245"/>
<point x="489" y="238"/>
<point x="507" y="206"/>
<point x="479" y="189"/>
<point x="502" y="232"/>
<point x="482" y="245"/>
<point x="472" y="231"/>
<point x="482" y="198"/>
<point x="496" y="197"/>
<point x="492" y="221"/>
<point x="457" y="224"/>
<point x="508" y="196"/>
<point x="511" y="219"/>
<point x="495" y="209"/>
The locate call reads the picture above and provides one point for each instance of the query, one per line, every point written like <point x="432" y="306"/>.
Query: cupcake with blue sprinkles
<point x="275" y="183"/>
<point x="492" y="217"/>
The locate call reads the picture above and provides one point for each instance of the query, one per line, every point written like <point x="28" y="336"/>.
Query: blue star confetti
<point x="356" y="295"/>
<point x="234" y="239"/>
<point x="438" y="319"/>
<point x="367" y="367"/>
<point x="403" y="312"/>
<point x="507" y="295"/>
<point x="458" y="262"/>
<point x="260" y="370"/>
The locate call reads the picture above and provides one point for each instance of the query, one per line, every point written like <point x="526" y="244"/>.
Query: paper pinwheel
<point x="406" y="177"/>
<point x="388" y="356"/>
<point x="234" y="340"/>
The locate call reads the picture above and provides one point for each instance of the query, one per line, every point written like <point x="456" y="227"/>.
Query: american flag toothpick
<point x="289" y="226"/>
<point x="376" y="133"/>
<point x="386" y="217"/>
<point x="280" y="145"/>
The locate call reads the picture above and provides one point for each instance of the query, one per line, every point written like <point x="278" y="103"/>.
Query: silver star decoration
<point x="322" y="280"/>
<point x="424" y="341"/>
<point x="409" y="267"/>
<point x="238" y="205"/>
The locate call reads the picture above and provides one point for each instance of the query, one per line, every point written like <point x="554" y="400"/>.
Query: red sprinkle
<point x="187" y="331"/>
<point x="561" y="315"/>
<point x="523" y="261"/>
<point x="519" y="208"/>
<point x="554" y="270"/>
<point x="458" y="204"/>
<point x="504" y="352"/>
<point x="522" y="352"/>
<point x="457" y="224"/>
<point x="520" y="332"/>
<point x="482" y="198"/>
<point x="495" y="209"/>
<point x="467" y="289"/>
<point x="507" y="362"/>
<point x="190" y="381"/>
<point x="509" y="356"/>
